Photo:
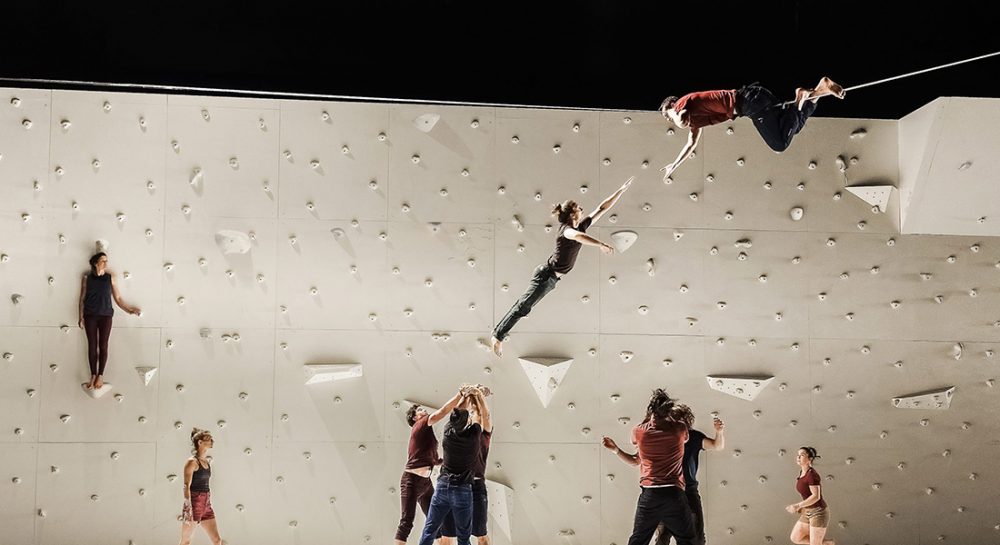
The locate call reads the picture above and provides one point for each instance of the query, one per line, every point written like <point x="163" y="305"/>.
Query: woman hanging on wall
<point x="573" y="227"/>
<point x="197" y="497"/>
<point x="814" y="516"/>
<point x="97" y="289"/>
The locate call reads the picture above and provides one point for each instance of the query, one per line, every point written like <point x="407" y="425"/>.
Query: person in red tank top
<point x="776" y="121"/>
<point x="814" y="517"/>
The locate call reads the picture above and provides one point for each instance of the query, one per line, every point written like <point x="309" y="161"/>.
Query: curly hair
<point x="564" y="211"/>
<point x="660" y="404"/>
<point x="683" y="414"/>
<point x="197" y="435"/>
<point x="411" y="415"/>
<point x="668" y="103"/>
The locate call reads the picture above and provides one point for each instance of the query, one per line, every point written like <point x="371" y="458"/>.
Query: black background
<point x="585" y="53"/>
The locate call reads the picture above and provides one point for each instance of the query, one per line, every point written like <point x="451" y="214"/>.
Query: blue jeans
<point x="777" y="124"/>
<point x="543" y="281"/>
<point x="454" y="497"/>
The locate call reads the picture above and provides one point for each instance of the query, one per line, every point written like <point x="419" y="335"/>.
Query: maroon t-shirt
<point x="423" y="449"/>
<point x="802" y="484"/>
<point x="707" y="107"/>
<point x="661" y="452"/>
<point x="484" y="451"/>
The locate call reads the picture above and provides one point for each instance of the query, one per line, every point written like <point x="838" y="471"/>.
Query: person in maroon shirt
<point x="415" y="486"/>
<point x="572" y="236"/>
<point x="814" y="517"/>
<point x="661" y="466"/>
<point x="776" y="121"/>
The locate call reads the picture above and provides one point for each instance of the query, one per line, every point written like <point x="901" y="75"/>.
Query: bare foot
<point x="827" y="86"/>
<point x="802" y="95"/>
<point x="90" y="384"/>
<point x="497" y="348"/>
<point x="98" y="383"/>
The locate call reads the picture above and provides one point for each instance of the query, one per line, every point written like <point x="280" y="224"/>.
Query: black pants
<point x="98" y="330"/>
<point x="776" y="124"/>
<point x="697" y="516"/>
<point x="542" y="282"/>
<point x="668" y="506"/>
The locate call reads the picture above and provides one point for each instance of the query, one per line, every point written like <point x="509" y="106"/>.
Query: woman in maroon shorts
<point x="814" y="516"/>
<point x="197" y="498"/>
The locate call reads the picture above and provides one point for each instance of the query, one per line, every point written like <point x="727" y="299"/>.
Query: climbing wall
<point x="307" y="270"/>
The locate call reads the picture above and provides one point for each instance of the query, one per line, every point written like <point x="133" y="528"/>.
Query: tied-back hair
<point x="94" y="259"/>
<point x="197" y="435"/>
<point x="668" y="102"/>
<point x="564" y="211"/>
<point x="660" y="405"/>
<point x="411" y="415"/>
<point x="683" y="414"/>
<point x="811" y="453"/>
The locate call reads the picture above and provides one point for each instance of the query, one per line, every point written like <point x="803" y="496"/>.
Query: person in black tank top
<point x="97" y="290"/>
<point x="197" y="508"/>
<point x="572" y="235"/>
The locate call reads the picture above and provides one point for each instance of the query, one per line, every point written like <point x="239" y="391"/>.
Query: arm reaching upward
<point x="437" y="415"/>
<point x="612" y="200"/>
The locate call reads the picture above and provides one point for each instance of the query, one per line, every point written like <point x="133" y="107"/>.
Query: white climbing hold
<point x="146" y="374"/>
<point x="426" y="122"/>
<point x="796" y="213"/>
<point x="743" y="387"/>
<point x="626" y="356"/>
<point x="325" y="372"/>
<point x="545" y="375"/>
<point x="232" y="242"/>
<point x="875" y="195"/>
<point x="96" y="393"/>
<point x="623" y="240"/>
<point x="956" y="350"/>
<point x="931" y="399"/>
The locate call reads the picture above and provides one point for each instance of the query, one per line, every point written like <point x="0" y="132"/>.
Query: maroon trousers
<point x="98" y="330"/>
<point x="413" y="489"/>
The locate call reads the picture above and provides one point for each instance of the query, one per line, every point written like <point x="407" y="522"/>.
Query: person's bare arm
<point x="437" y="415"/>
<point x="612" y="200"/>
<point x="719" y="442"/>
<point x="694" y="136"/>
<point x="587" y="240"/>
<point x="484" y="411"/>
<point x="118" y="298"/>
<point x="189" y="468"/>
<point x="815" y="494"/>
<point x="630" y="459"/>
<point x="83" y="294"/>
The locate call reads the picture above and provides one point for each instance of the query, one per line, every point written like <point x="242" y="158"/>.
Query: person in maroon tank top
<point x="776" y="121"/>
<point x="415" y="486"/>
<point x="814" y="517"/>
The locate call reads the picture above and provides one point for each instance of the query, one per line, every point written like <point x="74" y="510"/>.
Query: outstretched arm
<point x="694" y="136"/>
<point x="587" y="240"/>
<point x="437" y="415"/>
<point x="118" y="298"/>
<point x="83" y="293"/>
<point x="630" y="459"/>
<point x="719" y="442"/>
<point x="607" y="203"/>
<point x="483" y="410"/>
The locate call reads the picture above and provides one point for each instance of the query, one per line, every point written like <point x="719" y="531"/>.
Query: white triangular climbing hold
<point x="232" y="242"/>
<point x="146" y="374"/>
<point x="875" y="195"/>
<point x="327" y="372"/>
<point x="96" y="393"/>
<point x="931" y="399"/>
<point x="623" y="240"/>
<point x="545" y="375"/>
<point x="501" y="499"/>
<point x="426" y="122"/>
<point x="743" y="387"/>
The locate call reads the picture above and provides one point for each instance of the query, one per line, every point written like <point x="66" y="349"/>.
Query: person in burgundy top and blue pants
<point x="661" y="465"/>
<point x="415" y="486"/>
<point x="572" y="235"/>
<point x="480" y="499"/>
<point x="453" y="494"/>
<point x="777" y="122"/>
<point x="814" y="517"/>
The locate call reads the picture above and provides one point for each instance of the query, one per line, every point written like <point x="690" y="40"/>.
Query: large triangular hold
<point x="875" y="195"/>
<point x="501" y="506"/>
<point x="327" y="372"/>
<point x="931" y="399"/>
<point x="232" y="242"/>
<point x="743" y="387"/>
<point x="96" y="393"/>
<point x="426" y="122"/>
<point x="623" y="240"/>
<point x="146" y="374"/>
<point x="545" y="375"/>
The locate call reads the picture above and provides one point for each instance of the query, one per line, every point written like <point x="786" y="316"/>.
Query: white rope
<point x="282" y="94"/>
<point x="901" y="76"/>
